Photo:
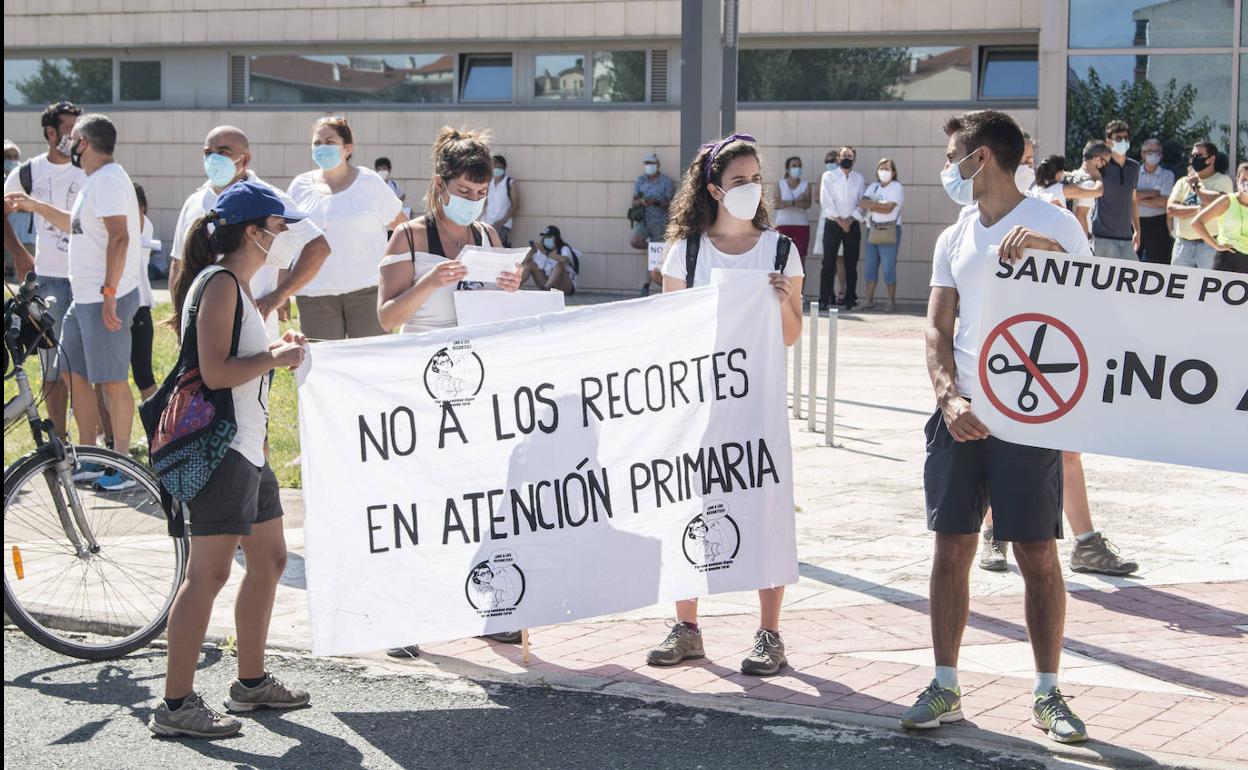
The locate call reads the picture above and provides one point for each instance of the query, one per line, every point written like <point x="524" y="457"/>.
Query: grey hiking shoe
<point x="407" y="651"/>
<point x="1051" y="714"/>
<point x="767" y="656"/>
<point x="269" y="694"/>
<point x="683" y="642"/>
<point x="193" y="719"/>
<point x="993" y="556"/>
<point x="1096" y="554"/>
<point x="935" y="706"/>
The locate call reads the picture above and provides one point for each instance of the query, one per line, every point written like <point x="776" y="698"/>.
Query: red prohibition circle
<point x="1062" y="407"/>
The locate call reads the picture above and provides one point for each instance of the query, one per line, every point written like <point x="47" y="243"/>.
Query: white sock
<point x="947" y="677"/>
<point x="1044" y="683"/>
<point x="1086" y="536"/>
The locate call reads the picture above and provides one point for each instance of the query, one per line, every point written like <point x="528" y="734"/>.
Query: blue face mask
<point x="219" y="169"/>
<point x="9" y="165"/>
<point x="962" y="191"/>
<point x="499" y="172"/>
<point x="830" y="166"/>
<point x="549" y="243"/>
<point x="1121" y="146"/>
<point x="796" y="172"/>
<point x="462" y="211"/>
<point x="327" y="156"/>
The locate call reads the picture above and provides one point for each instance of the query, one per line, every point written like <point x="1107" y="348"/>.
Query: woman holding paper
<point x="720" y="211"/>
<point x="422" y="267"/>
<point x="354" y="207"/>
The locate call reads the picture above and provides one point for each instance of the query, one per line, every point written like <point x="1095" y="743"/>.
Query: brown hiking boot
<point x="993" y="556"/>
<point x="1096" y="554"/>
<point x="683" y="642"/>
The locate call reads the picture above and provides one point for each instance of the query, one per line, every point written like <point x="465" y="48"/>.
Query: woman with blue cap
<point x="239" y="505"/>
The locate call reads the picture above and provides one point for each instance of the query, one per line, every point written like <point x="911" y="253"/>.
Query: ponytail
<point x="458" y="152"/>
<point x="204" y="244"/>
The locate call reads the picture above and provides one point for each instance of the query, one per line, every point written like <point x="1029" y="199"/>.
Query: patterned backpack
<point x="190" y="426"/>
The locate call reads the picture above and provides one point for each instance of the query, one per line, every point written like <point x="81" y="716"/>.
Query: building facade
<point x="575" y="94"/>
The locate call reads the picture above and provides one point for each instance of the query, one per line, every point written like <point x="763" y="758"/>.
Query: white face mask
<point x="1024" y="178"/>
<point x="384" y="173"/>
<point x="742" y="202"/>
<point x="885" y="175"/>
<point x="282" y="249"/>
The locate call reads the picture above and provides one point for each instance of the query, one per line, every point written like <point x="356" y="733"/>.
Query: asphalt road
<point x="62" y="713"/>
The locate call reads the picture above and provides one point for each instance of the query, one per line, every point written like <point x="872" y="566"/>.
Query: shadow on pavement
<point x="1178" y="612"/>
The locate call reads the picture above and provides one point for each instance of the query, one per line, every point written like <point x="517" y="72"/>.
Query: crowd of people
<point x="340" y="242"/>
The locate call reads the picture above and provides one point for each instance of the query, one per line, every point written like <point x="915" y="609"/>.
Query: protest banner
<point x="539" y="470"/>
<point x="1116" y="357"/>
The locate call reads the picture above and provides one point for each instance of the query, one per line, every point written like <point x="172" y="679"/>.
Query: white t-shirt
<point x="251" y="399"/>
<point x="893" y="192"/>
<point x="108" y="192"/>
<point x="761" y="257"/>
<point x="146" y="298"/>
<point x="792" y="216"/>
<point x="498" y="201"/>
<point x="354" y="222"/>
<point x="548" y="265"/>
<point x="962" y="261"/>
<point x="1054" y="193"/>
<point x="57" y="184"/>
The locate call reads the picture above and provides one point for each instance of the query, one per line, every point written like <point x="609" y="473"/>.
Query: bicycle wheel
<point x="93" y="605"/>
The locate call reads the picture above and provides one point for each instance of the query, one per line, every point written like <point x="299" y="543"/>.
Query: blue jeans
<point x="1189" y="253"/>
<point x="883" y="254"/>
<point x="1112" y="248"/>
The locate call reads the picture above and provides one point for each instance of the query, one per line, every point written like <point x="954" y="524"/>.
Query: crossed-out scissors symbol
<point x="1000" y="364"/>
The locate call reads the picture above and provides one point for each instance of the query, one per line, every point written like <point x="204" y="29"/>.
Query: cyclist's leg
<point x="265" y="549"/>
<point x="206" y="573"/>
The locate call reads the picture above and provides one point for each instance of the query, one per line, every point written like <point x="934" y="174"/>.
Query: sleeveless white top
<point x="792" y="216"/>
<point x="251" y="399"/>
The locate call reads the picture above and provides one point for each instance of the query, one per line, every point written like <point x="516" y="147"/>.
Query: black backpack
<point x="693" y="244"/>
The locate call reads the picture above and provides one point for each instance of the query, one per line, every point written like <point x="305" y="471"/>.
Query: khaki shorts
<point x="340" y="316"/>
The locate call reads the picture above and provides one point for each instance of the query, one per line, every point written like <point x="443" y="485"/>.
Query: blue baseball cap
<point x="248" y="201"/>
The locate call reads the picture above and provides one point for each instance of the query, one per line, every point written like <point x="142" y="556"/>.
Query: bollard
<point x="797" y="378"/>
<point x="829" y="427"/>
<point x="814" y="366"/>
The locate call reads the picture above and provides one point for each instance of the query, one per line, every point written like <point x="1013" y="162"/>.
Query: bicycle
<point x="89" y="572"/>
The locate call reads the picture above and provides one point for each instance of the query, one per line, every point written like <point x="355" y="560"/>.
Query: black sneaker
<point x="504" y="637"/>
<point x="406" y="652"/>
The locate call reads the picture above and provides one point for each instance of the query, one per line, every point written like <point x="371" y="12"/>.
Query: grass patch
<point x="283" y="406"/>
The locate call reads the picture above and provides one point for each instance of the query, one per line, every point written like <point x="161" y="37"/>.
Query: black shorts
<point x="1023" y="485"/>
<point x="237" y="496"/>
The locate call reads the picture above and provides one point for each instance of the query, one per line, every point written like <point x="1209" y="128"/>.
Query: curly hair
<point x="458" y="153"/>
<point x="693" y="209"/>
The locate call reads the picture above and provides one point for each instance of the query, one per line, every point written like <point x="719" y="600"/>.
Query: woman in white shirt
<point x="883" y="201"/>
<point x="720" y="204"/>
<point x="793" y="197"/>
<point x="552" y="264"/>
<point x="354" y="207"/>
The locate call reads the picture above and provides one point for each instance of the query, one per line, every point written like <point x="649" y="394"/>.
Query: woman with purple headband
<point x="719" y="210"/>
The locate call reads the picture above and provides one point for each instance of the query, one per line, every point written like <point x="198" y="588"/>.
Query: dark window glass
<point x="140" y="81"/>
<point x="41" y="82"/>
<point x="1009" y="74"/>
<point x="485" y="77"/>
<point x="1241" y="149"/>
<point x="1151" y="23"/>
<point x="351" y="79"/>
<point x="900" y="73"/>
<point x="620" y="76"/>
<point x="1179" y="98"/>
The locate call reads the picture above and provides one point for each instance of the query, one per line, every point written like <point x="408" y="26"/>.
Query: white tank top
<point x="792" y="216"/>
<point x="251" y="399"/>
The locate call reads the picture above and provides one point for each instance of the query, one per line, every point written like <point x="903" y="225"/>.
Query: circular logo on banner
<point x="454" y="374"/>
<point x="1033" y="368"/>
<point x="495" y="587"/>
<point x="712" y="539"/>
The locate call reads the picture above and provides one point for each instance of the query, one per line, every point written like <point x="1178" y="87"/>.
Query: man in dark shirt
<point x="1116" y="219"/>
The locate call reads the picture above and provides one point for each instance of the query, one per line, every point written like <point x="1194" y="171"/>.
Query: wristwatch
<point x="108" y="291"/>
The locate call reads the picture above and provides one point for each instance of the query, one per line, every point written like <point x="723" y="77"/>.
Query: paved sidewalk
<point x="1158" y="664"/>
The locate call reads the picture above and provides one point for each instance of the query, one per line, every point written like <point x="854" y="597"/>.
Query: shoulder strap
<point x="26" y="175"/>
<point x="508" y="187"/>
<point x="411" y="242"/>
<point x="692" y="245"/>
<point x="431" y="233"/>
<point x="479" y="235"/>
<point x="190" y="340"/>
<point x="783" y="245"/>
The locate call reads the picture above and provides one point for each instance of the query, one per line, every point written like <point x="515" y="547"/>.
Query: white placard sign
<point x="487" y="264"/>
<point x="541" y="470"/>
<point x="1115" y="357"/>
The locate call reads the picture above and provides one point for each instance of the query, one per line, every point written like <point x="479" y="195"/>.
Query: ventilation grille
<point x="658" y="76"/>
<point x="238" y="80"/>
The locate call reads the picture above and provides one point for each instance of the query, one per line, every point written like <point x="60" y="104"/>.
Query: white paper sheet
<point x="479" y="307"/>
<point x="486" y="265"/>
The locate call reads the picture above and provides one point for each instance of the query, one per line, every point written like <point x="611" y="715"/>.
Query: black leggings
<point x="141" y="333"/>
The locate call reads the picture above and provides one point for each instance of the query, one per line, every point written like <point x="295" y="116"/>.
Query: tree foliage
<point x="83" y="81"/>
<point x="821" y="75"/>
<point x="624" y="80"/>
<point x="1167" y="113"/>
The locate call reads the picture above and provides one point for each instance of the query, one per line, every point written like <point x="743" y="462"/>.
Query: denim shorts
<point x="89" y="349"/>
<point x="59" y="295"/>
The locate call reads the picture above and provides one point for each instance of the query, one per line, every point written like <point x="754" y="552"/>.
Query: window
<point x="1151" y="23"/>
<point x="1009" y="73"/>
<point x="558" y="77"/>
<point x="351" y="79"/>
<point x="139" y="81"/>
<point x="894" y="74"/>
<point x="485" y="77"/>
<point x="1180" y="98"/>
<point x="1241" y="147"/>
<point x="620" y="76"/>
<point x="40" y="82"/>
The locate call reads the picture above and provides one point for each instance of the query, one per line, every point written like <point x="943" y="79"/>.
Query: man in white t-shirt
<point x="54" y="180"/>
<point x="966" y="468"/>
<point x="227" y="159"/>
<point x="104" y="258"/>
